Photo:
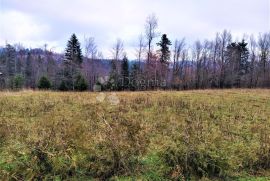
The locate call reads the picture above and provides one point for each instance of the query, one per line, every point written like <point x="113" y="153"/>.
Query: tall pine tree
<point x="125" y="73"/>
<point x="165" y="54"/>
<point x="134" y="77"/>
<point x="237" y="64"/>
<point x="10" y="64"/>
<point x="112" y="84"/>
<point x="72" y="62"/>
<point x="73" y="52"/>
<point x="164" y="49"/>
<point x="28" y="71"/>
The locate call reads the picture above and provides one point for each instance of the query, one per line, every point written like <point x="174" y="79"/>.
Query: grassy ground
<point x="207" y="135"/>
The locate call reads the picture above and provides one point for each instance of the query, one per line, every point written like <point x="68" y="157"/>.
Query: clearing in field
<point x="211" y="134"/>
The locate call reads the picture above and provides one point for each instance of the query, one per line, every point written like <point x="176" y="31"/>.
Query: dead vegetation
<point x="215" y="134"/>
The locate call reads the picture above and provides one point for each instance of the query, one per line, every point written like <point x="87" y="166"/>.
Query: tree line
<point x="219" y="63"/>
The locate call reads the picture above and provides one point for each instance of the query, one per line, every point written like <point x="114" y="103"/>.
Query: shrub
<point x="17" y="82"/>
<point x="189" y="163"/>
<point x="44" y="83"/>
<point x="80" y="83"/>
<point x="118" y="152"/>
<point x="63" y="86"/>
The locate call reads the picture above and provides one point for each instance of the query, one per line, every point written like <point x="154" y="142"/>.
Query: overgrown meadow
<point x="190" y="135"/>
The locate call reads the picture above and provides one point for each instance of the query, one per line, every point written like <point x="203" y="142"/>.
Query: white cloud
<point x="53" y="21"/>
<point x="19" y="27"/>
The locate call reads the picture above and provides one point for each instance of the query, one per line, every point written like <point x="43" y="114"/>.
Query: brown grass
<point x="149" y="135"/>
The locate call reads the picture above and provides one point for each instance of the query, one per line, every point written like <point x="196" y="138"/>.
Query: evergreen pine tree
<point x="164" y="49"/>
<point x="2" y="71"/>
<point x="244" y="54"/>
<point x="72" y="62"/>
<point x="63" y="86"/>
<point x="134" y="77"/>
<point x="237" y="65"/>
<point x="112" y="84"/>
<point x="44" y="83"/>
<point x="80" y="83"/>
<point x="28" y="71"/>
<point x="10" y="60"/>
<point x="17" y="82"/>
<point x="125" y="73"/>
<point x="165" y="54"/>
<point x="10" y="63"/>
<point x="73" y="52"/>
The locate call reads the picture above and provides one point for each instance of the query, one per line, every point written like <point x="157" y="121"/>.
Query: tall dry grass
<point x="216" y="134"/>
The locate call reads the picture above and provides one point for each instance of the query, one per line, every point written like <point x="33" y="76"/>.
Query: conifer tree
<point x="72" y="62"/>
<point x="112" y="84"/>
<point x="10" y="60"/>
<point x="162" y="74"/>
<point x="17" y="82"/>
<point x="80" y="83"/>
<point x="164" y="49"/>
<point x="44" y="83"/>
<point x="134" y="77"/>
<point x="244" y="55"/>
<point x="73" y="52"/>
<point x="125" y="73"/>
<point x="10" y="63"/>
<point x="237" y="65"/>
<point x="28" y="71"/>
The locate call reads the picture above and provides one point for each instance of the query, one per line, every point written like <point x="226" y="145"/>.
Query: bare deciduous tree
<point x="117" y="54"/>
<point x="264" y="49"/>
<point x="90" y="48"/>
<point x="253" y="77"/>
<point x="140" y="49"/>
<point x="90" y="56"/>
<point x="225" y="40"/>
<point x="151" y="26"/>
<point x="118" y="50"/>
<point x="179" y="46"/>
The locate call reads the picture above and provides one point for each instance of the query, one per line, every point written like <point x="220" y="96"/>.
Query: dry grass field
<point x="189" y="135"/>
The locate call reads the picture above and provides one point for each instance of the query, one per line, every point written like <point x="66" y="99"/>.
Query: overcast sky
<point x="36" y="22"/>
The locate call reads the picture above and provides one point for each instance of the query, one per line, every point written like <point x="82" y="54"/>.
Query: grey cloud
<point x="108" y="20"/>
